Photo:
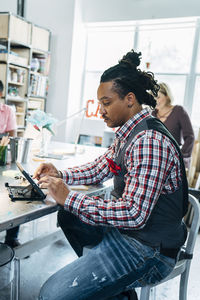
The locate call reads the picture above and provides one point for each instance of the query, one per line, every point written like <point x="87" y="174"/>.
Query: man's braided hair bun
<point x="127" y="77"/>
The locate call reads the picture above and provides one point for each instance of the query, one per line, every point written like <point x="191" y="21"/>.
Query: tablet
<point x="31" y="181"/>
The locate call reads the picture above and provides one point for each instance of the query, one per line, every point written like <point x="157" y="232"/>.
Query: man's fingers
<point x="38" y="171"/>
<point x="56" y="188"/>
<point x="44" y="178"/>
<point x="48" y="179"/>
<point x="44" y="169"/>
<point x="45" y="182"/>
<point x="44" y="185"/>
<point x="49" y="174"/>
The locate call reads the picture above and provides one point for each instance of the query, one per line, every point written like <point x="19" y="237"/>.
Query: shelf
<point x="15" y="83"/>
<point x="19" y="114"/>
<point x="37" y="97"/>
<point x="20" y="128"/>
<point x="38" y="74"/>
<point x="15" y="43"/>
<point x="16" y="99"/>
<point x="22" y="42"/>
<point x="38" y="51"/>
<point x="17" y="66"/>
<point x="19" y="45"/>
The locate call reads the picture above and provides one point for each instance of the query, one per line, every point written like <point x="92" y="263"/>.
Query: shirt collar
<point x="124" y="131"/>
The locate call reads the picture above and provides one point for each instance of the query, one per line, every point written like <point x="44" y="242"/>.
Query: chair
<point x="182" y="267"/>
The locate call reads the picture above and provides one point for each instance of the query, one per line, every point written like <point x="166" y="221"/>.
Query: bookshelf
<point x="24" y="65"/>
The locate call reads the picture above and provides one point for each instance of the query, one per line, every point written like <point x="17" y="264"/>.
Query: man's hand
<point x="56" y="187"/>
<point x="46" y="169"/>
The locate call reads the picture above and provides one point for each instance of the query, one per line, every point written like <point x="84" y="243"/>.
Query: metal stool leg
<point x="15" y="285"/>
<point x="145" y="293"/>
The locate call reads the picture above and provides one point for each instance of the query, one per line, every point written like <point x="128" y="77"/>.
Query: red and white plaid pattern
<point x="153" y="167"/>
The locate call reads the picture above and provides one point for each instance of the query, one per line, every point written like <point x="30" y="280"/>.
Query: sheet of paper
<point x="79" y="187"/>
<point x="10" y="173"/>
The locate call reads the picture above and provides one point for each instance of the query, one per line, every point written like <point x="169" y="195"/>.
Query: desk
<point x="15" y="213"/>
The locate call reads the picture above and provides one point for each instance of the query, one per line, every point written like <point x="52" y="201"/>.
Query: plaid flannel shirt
<point x="153" y="167"/>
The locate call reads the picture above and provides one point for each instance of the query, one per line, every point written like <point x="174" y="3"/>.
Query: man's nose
<point x="102" y="110"/>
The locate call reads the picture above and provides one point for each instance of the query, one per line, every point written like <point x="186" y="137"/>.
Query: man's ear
<point x="131" y="99"/>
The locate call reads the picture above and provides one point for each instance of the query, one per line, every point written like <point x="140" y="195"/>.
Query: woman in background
<point x="176" y="120"/>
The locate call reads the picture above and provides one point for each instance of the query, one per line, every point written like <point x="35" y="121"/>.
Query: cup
<point x="14" y="148"/>
<point x="20" y="149"/>
<point x="26" y="149"/>
<point x="3" y="155"/>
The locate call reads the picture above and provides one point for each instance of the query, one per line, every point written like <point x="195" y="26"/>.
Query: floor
<point x="42" y="264"/>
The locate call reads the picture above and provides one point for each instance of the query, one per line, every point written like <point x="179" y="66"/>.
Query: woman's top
<point x="179" y="124"/>
<point x="7" y="119"/>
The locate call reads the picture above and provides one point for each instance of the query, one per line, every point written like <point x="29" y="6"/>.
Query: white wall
<point x="57" y="16"/>
<point x="8" y="6"/>
<point x="76" y="75"/>
<point x="124" y="10"/>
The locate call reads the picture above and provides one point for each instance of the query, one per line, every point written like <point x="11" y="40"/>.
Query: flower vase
<point x="45" y="139"/>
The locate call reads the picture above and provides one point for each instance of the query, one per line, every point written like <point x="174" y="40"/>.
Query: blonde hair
<point x="165" y="90"/>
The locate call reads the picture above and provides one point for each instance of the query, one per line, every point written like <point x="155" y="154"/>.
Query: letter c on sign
<point x="87" y="109"/>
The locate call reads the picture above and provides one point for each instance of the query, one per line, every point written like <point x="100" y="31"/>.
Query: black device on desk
<point x="31" y="192"/>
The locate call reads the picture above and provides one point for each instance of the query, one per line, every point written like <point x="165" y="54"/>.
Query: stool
<point x="9" y="271"/>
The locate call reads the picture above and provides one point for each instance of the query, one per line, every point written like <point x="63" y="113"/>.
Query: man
<point x="137" y="234"/>
<point x="8" y="126"/>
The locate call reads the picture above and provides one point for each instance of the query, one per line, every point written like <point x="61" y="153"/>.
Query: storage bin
<point x="20" y="120"/>
<point x="40" y="38"/>
<point x="36" y="103"/>
<point x="20" y="30"/>
<point x="13" y="59"/>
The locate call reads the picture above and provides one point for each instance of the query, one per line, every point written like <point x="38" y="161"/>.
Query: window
<point x="168" y="49"/>
<point x="165" y="48"/>
<point x="198" y="59"/>
<point x="177" y="85"/>
<point x="105" y="46"/>
<point x="91" y="84"/>
<point x="196" y="103"/>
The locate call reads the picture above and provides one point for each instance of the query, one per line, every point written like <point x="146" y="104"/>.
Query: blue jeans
<point x="115" y="264"/>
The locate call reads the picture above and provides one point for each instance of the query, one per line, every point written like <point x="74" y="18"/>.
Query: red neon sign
<point x="92" y="109"/>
